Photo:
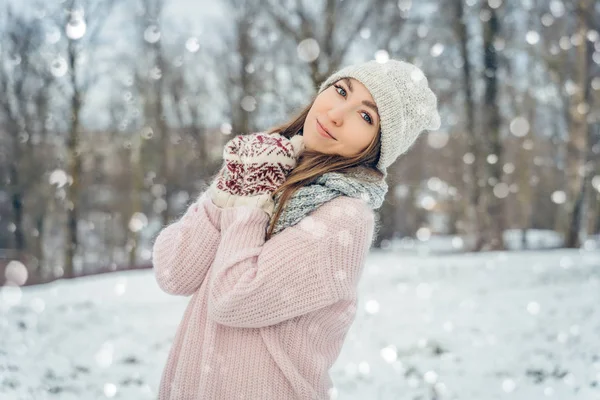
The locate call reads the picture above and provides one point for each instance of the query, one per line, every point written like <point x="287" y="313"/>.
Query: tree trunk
<point x="136" y="203"/>
<point x="73" y="169"/>
<point x="17" y="199"/>
<point x="38" y="249"/>
<point x="473" y="212"/>
<point x="494" y="206"/>
<point x="578" y="130"/>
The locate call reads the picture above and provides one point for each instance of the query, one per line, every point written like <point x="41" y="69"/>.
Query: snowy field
<point x="519" y="325"/>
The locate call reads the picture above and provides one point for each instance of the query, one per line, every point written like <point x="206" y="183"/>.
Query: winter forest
<point x="483" y="281"/>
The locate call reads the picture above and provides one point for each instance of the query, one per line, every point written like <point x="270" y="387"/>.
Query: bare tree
<point x="23" y="107"/>
<point x="335" y="27"/>
<point x="491" y="131"/>
<point x="83" y="22"/>
<point x="14" y="68"/>
<point x="570" y="70"/>
<point x="240" y="83"/>
<point x="578" y="169"/>
<point x="189" y="96"/>
<point x="474" y="147"/>
<point x="151" y="79"/>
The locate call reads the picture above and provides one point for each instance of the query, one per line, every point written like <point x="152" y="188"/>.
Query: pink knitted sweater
<point x="267" y="319"/>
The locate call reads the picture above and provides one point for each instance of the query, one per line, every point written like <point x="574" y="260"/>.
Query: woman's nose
<point x="336" y="115"/>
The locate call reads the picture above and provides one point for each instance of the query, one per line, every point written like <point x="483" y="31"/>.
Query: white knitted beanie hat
<point x="406" y="104"/>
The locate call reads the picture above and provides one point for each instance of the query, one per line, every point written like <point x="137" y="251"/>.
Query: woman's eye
<point x="370" y="121"/>
<point x="339" y="87"/>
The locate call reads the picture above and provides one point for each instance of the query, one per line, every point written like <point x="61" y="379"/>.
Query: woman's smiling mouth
<point x="323" y="132"/>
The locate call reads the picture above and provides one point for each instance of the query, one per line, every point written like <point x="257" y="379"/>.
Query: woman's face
<point x="348" y="112"/>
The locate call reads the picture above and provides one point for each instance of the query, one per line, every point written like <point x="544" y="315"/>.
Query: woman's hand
<point x="255" y="166"/>
<point x="267" y="160"/>
<point x="229" y="181"/>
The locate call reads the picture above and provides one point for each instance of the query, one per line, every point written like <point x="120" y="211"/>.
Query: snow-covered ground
<point x="519" y="325"/>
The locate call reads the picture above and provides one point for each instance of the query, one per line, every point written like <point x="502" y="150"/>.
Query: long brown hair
<point x="312" y="164"/>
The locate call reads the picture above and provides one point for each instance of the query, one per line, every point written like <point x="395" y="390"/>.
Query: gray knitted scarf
<point x="354" y="183"/>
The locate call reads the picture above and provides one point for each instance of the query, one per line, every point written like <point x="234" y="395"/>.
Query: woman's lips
<point x="323" y="132"/>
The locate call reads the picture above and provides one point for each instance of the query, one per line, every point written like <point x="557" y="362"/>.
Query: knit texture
<point x="356" y="183"/>
<point x="267" y="319"/>
<point x="406" y="104"/>
<point x="254" y="166"/>
<point x="268" y="159"/>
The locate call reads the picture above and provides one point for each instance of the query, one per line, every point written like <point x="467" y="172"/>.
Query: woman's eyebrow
<point x="365" y="102"/>
<point x="372" y="105"/>
<point x="349" y="83"/>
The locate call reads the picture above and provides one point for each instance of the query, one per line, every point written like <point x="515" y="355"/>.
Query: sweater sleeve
<point x="183" y="251"/>
<point x="305" y="267"/>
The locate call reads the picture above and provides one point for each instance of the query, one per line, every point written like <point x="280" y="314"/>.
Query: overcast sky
<point x="207" y="10"/>
<point x="202" y="18"/>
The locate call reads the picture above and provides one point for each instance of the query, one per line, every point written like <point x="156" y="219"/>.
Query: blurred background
<point x="113" y="116"/>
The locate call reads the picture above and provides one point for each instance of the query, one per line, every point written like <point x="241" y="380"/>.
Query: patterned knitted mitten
<point x="228" y="184"/>
<point x="267" y="160"/>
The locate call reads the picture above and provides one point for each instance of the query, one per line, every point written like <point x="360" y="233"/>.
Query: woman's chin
<point x="313" y="146"/>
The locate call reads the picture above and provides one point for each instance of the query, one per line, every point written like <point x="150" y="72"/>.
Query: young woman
<point x="273" y="251"/>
